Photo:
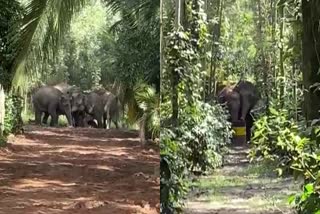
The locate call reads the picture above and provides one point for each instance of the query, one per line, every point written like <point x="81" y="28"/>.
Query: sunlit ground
<point x="61" y="170"/>
<point x="240" y="188"/>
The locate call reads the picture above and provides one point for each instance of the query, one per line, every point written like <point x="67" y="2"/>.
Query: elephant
<point x="94" y="107"/>
<point x="89" y="121"/>
<point x="111" y="107"/>
<point x="76" y="101"/>
<point x="52" y="102"/>
<point x="240" y="100"/>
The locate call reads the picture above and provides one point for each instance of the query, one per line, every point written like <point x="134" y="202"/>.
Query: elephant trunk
<point x="245" y="108"/>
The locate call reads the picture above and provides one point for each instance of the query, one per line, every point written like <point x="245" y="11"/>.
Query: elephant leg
<point x="108" y="118"/>
<point x="54" y="119"/>
<point x="100" y="124"/>
<point x="245" y="107"/>
<point x="108" y="122"/>
<point x="234" y="109"/>
<point x="81" y="120"/>
<point x="45" y="118"/>
<point x="76" y="119"/>
<point x="249" y="124"/>
<point x="104" y="122"/>
<point x="54" y="115"/>
<point x="116" y="123"/>
<point x="38" y="115"/>
<point x="99" y="121"/>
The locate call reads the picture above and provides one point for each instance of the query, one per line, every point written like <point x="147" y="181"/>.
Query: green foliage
<point x="204" y="132"/>
<point x="197" y="143"/>
<point x="11" y="12"/>
<point x="13" y="120"/>
<point x="3" y="140"/>
<point x="279" y="139"/>
<point x="307" y="202"/>
<point x="148" y="101"/>
<point x="136" y="51"/>
<point x="194" y="142"/>
<point x="173" y="187"/>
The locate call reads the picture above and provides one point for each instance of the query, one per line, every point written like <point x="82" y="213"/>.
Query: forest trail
<point x="78" y="170"/>
<point x="241" y="187"/>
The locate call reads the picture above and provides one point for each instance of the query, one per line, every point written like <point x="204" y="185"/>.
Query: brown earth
<point x="83" y="171"/>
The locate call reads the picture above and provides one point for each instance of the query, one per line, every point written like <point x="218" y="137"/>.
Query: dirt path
<point x="83" y="171"/>
<point x="241" y="188"/>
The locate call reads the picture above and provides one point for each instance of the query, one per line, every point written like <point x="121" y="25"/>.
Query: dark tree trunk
<point x="310" y="55"/>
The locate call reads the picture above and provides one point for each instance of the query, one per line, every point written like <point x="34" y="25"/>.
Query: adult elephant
<point x="77" y="100"/>
<point x="111" y="106"/>
<point x="240" y="100"/>
<point x="52" y="102"/>
<point x="94" y="107"/>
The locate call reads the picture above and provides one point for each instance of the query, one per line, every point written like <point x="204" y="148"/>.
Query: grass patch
<point x="28" y="116"/>
<point x="253" y="185"/>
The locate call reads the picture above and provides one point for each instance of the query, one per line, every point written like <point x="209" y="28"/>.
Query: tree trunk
<point x="274" y="42"/>
<point x="161" y="42"/>
<point x="2" y="110"/>
<point x="215" y="48"/>
<point x="281" y="62"/>
<point x="310" y="55"/>
<point x="179" y="21"/>
<point x="142" y="130"/>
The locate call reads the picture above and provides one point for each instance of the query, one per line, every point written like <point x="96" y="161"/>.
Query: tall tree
<point x="311" y="57"/>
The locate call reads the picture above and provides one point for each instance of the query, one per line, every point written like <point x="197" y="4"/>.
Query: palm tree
<point x="46" y="22"/>
<point x="145" y="109"/>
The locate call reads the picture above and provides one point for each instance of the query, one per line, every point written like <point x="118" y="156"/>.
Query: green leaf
<point x="309" y="188"/>
<point x="291" y="199"/>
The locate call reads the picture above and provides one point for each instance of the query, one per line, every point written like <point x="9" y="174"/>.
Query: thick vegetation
<point x="93" y="44"/>
<point x="271" y="43"/>
<point x="193" y="133"/>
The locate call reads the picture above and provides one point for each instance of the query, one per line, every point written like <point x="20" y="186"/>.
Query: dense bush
<point x="307" y="202"/>
<point x="204" y="134"/>
<point x="277" y="138"/>
<point x="196" y="144"/>
<point x="13" y="121"/>
<point x="173" y="187"/>
<point x="295" y="151"/>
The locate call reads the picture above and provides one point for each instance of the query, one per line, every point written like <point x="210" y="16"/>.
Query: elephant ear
<point x="65" y="97"/>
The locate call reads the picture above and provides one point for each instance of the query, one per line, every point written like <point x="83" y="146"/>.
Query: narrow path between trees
<point x="83" y="171"/>
<point x="241" y="188"/>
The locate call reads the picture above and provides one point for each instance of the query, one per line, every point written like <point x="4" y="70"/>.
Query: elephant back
<point x="249" y="90"/>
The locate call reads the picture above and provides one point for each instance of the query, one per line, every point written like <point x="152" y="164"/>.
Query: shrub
<point x="13" y="120"/>
<point x="197" y="143"/>
<point x="279" y="139"/>
<point x="204" y="132"/>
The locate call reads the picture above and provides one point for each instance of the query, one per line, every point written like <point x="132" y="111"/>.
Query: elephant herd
<point x="81" y="109"/>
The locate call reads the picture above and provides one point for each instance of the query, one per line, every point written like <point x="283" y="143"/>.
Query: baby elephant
<point x="52" y="102"/>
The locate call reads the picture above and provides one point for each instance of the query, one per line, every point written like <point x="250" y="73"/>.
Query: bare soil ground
<point x="83" y="171"/>
<point x="241" y="187"/>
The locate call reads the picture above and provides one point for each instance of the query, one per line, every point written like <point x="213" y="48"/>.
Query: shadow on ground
<point x="60" y="170"/>
<point x="240" y="187"/>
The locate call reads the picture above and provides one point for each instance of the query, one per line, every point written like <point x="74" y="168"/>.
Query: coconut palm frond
<point x="134" y="112"/>
<point x="148" y="101"/>
<point x="140" y="9"/>
<point x="42" y="28"/>
<point x="145" y="96"/>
